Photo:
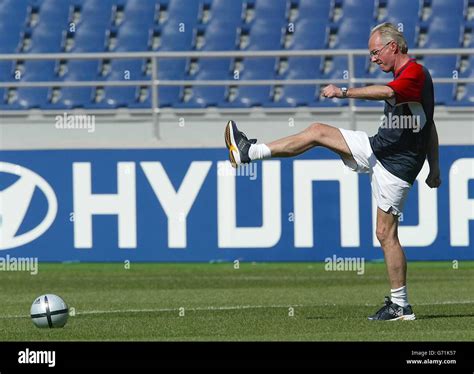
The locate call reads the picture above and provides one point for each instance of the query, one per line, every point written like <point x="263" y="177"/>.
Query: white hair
<point x="389" y="32"/>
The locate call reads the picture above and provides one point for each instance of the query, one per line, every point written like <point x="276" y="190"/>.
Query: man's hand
<point x="332" y="91"/>
<point x="433" y="180"/>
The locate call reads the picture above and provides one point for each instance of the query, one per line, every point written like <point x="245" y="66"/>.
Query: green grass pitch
<point x="257" y="302"/>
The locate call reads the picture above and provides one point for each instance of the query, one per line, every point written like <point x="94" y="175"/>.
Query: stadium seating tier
<point x="78" y="26"/>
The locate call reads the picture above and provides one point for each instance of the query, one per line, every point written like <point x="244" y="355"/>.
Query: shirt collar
<point x="400" y="69"/>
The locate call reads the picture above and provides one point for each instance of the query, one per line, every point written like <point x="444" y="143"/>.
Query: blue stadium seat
<point x="118" y="97"/>
<point x="361" y="66"/>
<point x="442" y="33"/>
<point x="404" y="10"/>
<point x="74" y="97"/>
<point x="142" y="103"/>
<point x="204" y="97"/>
<point x="251" y="96"/>
<point x="228" y="11"/>
<point x="214" y="68"/>
<point x="303" y="68"/>
<point x="31" y="98"/>
<point x="82" y="70"/>
<point x="122" y="69"/>
<point x="349" y="38"/>
<point x="453" y="11"/>
<point x="272" y="10"/>
<point x="264" y="35"/>
<point x="89" y="39"/>
<point x="42" y="70"/>
<point x="140" y="13"/>
<point x="298" y="96"/>
<point x="183" y="11"/>
<point x="219" y="36"/>
<point x="14" y="10"/>
<point x="339" y="68"/>
<point x="97" y="13"/>
<point x="468" y="98"/>
<point x="444" y="93"/>
<point x="172" y="68"/>
<point x="310" y="35"/>
<point x="357" y="10"/>
<point x="6" y="71"/>
<point x="174" y="40"/>
<point x="54" y="12"/>
<point x="9" y="37"/>
<point x="168" y="96"/>
<point x="315" y="10"/>
<point x="440" y="66"/>
<point x="46" y="39"/>
<point x="258" y="68"/>
<point x="131" y="38"/>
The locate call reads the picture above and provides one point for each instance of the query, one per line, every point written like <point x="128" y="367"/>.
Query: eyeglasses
<point x="377" y="52"/>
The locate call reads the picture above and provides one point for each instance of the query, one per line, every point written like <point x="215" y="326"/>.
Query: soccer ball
<point x="49" y="311"/>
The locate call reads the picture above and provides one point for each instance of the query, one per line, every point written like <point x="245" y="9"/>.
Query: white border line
<point x="235" y="307"/>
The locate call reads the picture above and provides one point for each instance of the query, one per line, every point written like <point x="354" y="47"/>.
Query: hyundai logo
<point x="14" y="203"/>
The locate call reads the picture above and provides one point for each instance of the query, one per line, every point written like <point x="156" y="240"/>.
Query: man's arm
<point x="376" y="92"/>
<point x="433" y="180"/>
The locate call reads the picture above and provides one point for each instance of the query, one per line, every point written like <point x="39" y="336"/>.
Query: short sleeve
<point x="408" y="86"/>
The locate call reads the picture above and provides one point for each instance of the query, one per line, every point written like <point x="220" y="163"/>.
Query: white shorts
<point x="389" y="191"/>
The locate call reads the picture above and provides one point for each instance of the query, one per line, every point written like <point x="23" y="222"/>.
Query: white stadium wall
<point x="188" y="130"/>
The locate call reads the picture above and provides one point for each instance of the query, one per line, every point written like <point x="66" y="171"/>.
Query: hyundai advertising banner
<point x="190" y="205"/>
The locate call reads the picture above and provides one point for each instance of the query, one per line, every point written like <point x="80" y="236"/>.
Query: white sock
<point x="259" y="152"/>
<point x="399" y="296"/>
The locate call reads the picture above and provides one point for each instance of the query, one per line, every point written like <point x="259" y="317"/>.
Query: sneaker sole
<point x="234" y="155"/>
<point x="407" y="317"/>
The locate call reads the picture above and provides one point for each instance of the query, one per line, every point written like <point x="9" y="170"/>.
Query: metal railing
<point x="154" y="82"/>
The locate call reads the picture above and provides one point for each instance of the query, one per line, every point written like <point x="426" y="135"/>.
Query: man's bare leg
<point x="242" y="150"/>
<point x="317" y="134"/>
<point x="387" y="234"/>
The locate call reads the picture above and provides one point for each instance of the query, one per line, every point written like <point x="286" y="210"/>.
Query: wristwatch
<point x="344" y="92"/>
